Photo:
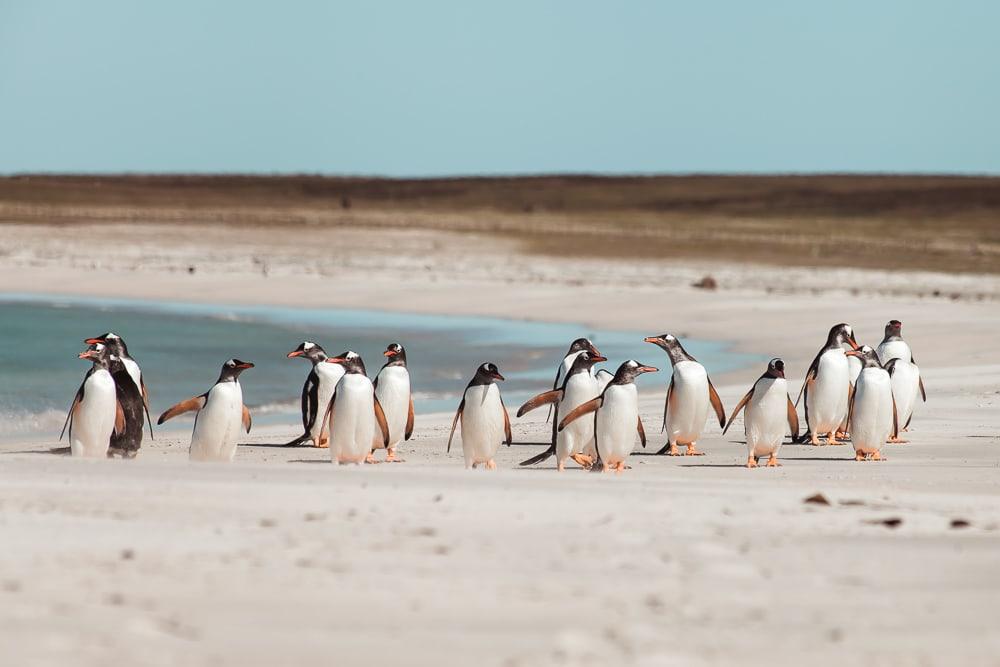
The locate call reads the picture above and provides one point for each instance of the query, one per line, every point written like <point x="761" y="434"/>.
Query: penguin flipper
<point x="713" y="396"/>
<point x="550" y="451"/>
<point x="642" y="432"/>
<point x="920" y="383"/>
<point x="195" y="403"/>
<point x="555" y="385"/>
<point x="895" y="419"/>
<point x="409" y="421"/>
<point x="72" y="410"/>
<point x="793" y="419"/>
<point x="584" y="408"/>
<point x="506" y="423"/>
<point x="247" y="422"/>
<point x="739" y="406"/>
<point x="382" y="423"/>
<point x="119" y="418"/>
<point x="666" y="403"/>
<point x="454" y="423"/>
<point x="546" y="397"/>
<point x="145" y="406"/>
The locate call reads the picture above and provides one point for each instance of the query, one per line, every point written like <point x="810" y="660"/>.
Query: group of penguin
<point x="859" y="392"/>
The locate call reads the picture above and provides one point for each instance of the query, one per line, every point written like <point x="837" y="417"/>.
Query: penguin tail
<point x="298" y="441"/>
<point x="541" y="457"/>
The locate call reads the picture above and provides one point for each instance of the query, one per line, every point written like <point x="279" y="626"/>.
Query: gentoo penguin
<point x="894" y="347"/>
<point x="827" y="388"/>
<point x="769" y="410"/>
<point x="872" y="418"/>
<point x="604" y="376"/>
<point x="904" y="378"/>
<point x="616" y="419"/>
<point x="353" y="413"/>
<point x="485" y="422"/>
<point x="130" y="389"/>
<point x="95" y="414"/>
<point x="221" y="413"/>
<point x="688" y="396"/>
<point x="392" y="390"/>
<point x="575" y="348"/>
<point x="316" y="394"/>
<point x="579" y="386"/>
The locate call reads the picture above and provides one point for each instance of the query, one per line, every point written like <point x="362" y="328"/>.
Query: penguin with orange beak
<point x="392" y="390"/>
<point x="130" y="389"/>
<point x="95" y="414"/>
<point x="316" y="393"/>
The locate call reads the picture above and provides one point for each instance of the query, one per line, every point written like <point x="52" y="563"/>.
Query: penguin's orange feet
<point x="491" y="465"/>
<point x="583" y="460"/>
<point x="876" y="456"/>
<point x="814" y="439"/>
<point x="896" y="440"/>
<point x="772" y="462"/>
<point x="370" y="458"/>
<point x="840" y="434"/>
<point x="693" y="451"/>
<point x="605" y="466"/>
<point x="323" y="442"/>
<point x="832" y="439"/>
<point x="391" y="457"/>
<point x="751" y="461"/>
<point x="859" y="456"/>
<point x="560" y="466"/>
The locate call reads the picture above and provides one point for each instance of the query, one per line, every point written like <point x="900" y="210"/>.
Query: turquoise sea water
<point x="181" y="346"/>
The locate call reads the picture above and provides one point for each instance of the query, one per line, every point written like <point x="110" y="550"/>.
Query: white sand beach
<point x="282" y="558"/>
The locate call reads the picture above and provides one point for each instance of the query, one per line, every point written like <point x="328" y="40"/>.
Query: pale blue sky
<point x="430" y="88"/>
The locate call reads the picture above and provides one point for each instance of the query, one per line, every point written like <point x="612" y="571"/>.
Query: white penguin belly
<point x="578" y="436"/>
<point x="827" y="399"/>
<point x="94" y="421"/>
<point x="393" y="394"/>
<point x="352" y="420"/>
<point x="688" y="406"/>
<point x="905" y="383"/>
<point x="482" y="423"/>
<point x="329" y="375"/>
<point x="871" y="421"/>
<point x="617" y="423"/>
<point x="893" y="349"/>
<point x="766" y="418"/>
<point x="218" y="424"/>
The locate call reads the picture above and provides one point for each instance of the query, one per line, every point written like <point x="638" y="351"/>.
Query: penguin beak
<point x="593" y="350"/>
<point x="335" y="360"/>
<point x="94" y="341"/>
<point x="853" y="353"/>
<point x="648" y="369"/>
<point x="598" y="358"/>
<point x="390" y="353"/>
<point x="88" y="354"/>
<point x="497" y="376"/>
<point x="244" y="365"/>
<point x="295" y="353"/>
<point x="853" y="343"/>
<point x="651" y="339"/>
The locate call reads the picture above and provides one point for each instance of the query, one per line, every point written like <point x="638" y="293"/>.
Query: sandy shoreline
<point x="678" y="561"/>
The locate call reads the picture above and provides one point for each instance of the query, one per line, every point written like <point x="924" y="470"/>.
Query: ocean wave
<point x="18" y="421"/>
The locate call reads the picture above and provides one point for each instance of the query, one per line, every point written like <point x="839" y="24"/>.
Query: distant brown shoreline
<point x="914" y="222"/>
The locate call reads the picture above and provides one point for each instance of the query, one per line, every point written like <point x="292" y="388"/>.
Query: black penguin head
<point x="487" y="373"/>
<point x="232" y="369"/>
<point x="672" y="346"/>
<point x="868" y="357"/>
<point x="630" y="370"/>
<point x="113" y="341"/>
<point x="308" y="350"/>
<point x="775" y="368"/>
<point x="840" y="335"/>
<point x="584" y="362"/>
<point x="893" y="329"/>
<point x="396" y="355"/>
<point x="350" y="360"/>
<point x="581" y="344"/>
<point x="99" y="353"/>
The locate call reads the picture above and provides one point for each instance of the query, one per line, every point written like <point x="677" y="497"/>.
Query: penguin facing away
<point x="894" y="347"/>
<point x="484" y="418"/>
<point x="689" y="395"/>
<point x="220" y="415"/>
<point x="769" y="410"/>
<point x="316" y="394"/>
<point x="95" y="414"/>
<point x="827" y="387"/>
<point x="130" y="389"/>
<point x="354" y="413"/>
<point x="904" y="379"/>
<point x="392" y="390"/>
<point x="579" y="386"/>
<point x="616" y="418"/>
<point x="873" y="419"/>
<point x="576" y="347"/>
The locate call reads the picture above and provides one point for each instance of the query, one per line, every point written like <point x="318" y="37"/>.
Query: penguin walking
<point x="579" y="386"/>
<point x="485" y="422"/>
<point x="316" y="394"/>
<point x="769" y="415"/>
<point x="130" y="389"/>
<point x="392" y="390"/>
<point x="894" y="347"/>
<point x="616" y="419"/>
<point x="575" y="348"/>
<point x="873" y="418"/>
<point x="95" y="415"/>
<point x="353" y="413"/>
<point x="904" y="378"/>
<point x="221" y="414"/>
<point x="688" y="397"/>
<point x="827" y="386"/>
